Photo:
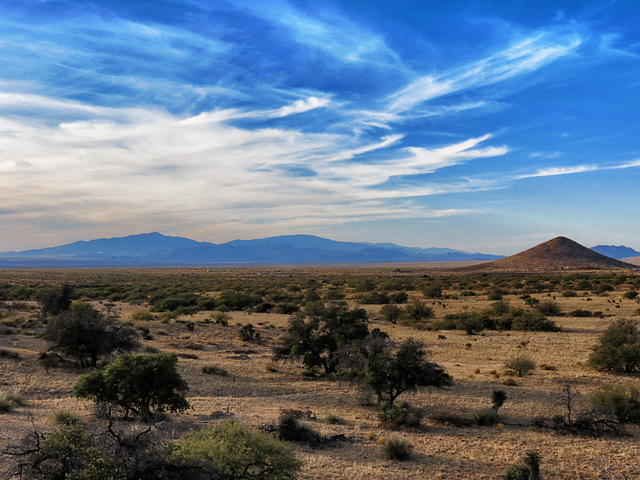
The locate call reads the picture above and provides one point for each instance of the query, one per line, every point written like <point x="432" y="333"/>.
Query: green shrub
<point x="521" y="365"/>
<point x="548" y="307"/>
<point x="141" y="385"/>
<point x="232" y="452"/>
<point x="618" y="348"/>
<point x="487" y="417"/>
<point x="221" y="318"/>
<point x="401" y="415"/>
<point x="397" y="449"/>
<point x="248" y="333"/>
<point x="335" y="419"/>
<point x="289" y="428"/>
<point x="64" y="417"/>
<point x="621" y="401"/>
<point x="9" y="401"/>
<point x="215" y="370"/>
<point x="142" y="316"/>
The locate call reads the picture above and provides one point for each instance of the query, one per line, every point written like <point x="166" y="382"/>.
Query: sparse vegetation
<point x="521" y="365"/>
<point x="258" y="387"/>
<point x="140" y="385"/>
<point x="618" y="348"/>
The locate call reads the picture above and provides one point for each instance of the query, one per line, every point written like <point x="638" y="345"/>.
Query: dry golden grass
<point x="256" y="390"/>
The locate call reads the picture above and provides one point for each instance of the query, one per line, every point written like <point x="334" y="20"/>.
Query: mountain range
<point x="156" y="249"/>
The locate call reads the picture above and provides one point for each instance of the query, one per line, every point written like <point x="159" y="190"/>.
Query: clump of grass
<point x="509" y="382"/>
<point x="9" y="401"/>
<point x="290" y="429"/>
<point x="64" y="417"/>
<point x="397" y="449"/>
<point x="335" y="419"/>
<point x="215" y="370"/>
<point x="150" y="349"/>
<point x="4" y="353"/>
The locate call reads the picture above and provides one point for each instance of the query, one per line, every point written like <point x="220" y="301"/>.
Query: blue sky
<point x="485" y="126"/>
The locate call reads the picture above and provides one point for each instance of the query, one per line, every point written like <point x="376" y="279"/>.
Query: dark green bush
<point x="621" y="401"/>
<point x="618" y="348"/>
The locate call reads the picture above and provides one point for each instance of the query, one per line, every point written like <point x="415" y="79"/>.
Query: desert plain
<point x="258" y="389"/>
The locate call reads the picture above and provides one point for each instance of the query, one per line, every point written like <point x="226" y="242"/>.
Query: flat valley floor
<point x="258" y="389"/>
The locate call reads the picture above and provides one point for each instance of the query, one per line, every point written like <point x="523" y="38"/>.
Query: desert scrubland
<point x="180" y="310"/>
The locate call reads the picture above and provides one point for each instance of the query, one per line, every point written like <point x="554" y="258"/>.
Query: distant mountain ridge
<point x="154" y="248"/>
<point x="617" y="252"/>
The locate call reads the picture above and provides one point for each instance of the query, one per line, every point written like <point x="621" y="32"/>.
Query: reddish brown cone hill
<point x="560" y="253"/>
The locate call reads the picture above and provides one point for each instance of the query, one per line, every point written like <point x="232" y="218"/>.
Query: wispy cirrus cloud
<point x="526" y="56"/>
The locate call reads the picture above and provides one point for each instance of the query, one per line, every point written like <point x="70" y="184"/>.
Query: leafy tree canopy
<point x="141" y="385"/>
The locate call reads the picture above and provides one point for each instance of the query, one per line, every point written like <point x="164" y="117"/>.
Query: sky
<point x="485" y="126"/>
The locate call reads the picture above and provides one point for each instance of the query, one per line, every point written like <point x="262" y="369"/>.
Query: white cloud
<point x="301" y="106"/>
<point x="552" y="171"/>
<point x="526" y="56"/>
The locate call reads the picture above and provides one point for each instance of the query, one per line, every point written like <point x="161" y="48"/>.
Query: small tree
<point x="140" y="385"/>
<point x="86" y="334"/>
<point x="54" y="301"/>
<point x="618" y="349"/>
<point x="621" y="401"/>
<point x="390" y="371"/>
<point x="317" y="337"/>
<point x="390" y="313"/>
<point x="522" y="365"/>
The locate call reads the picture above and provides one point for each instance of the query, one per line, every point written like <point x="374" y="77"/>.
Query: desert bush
<point x="529" y="469"/>
<point x="397" y="449"/>
<point x="317" y="337"/>
<point x="487" y="417"/>
<point x="390" y="313"/>
<point x="548" y="307"/>
<point x="402" y="414"/>
<point x="521" y="365"/>
<point x="142" y="316"/>
<point x="232" y="452"/>
<point x="140" y="385"/>
<point x="64" y="417"/>
<point x="9" y="401"/>
<point x="5" y="353"/>
<point x="433" y="291"/>
<point x="87" y="334"/>
<point x="374" y="298"/>
<point x="56" y="300"/>
<point x="418" y="311"/>
<point x="68" y="452"/>
<point x="621" y="401"/>
<point x="215" y="370"/>
<point x="631" y="294"/>
<point x="618" y="348"/>
<point x="248" y="333"/>
<point x="335" y="419"/>
<point x="389" y="371"/>
<point x="221" y="318"/>
<point x="289" y="428"/>
<point x="399" y="297"/>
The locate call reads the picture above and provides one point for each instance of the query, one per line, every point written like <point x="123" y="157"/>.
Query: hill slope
<point x="559" y="253"/>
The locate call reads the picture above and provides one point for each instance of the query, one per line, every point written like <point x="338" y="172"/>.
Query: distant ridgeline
<point x="155" y="249"/>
